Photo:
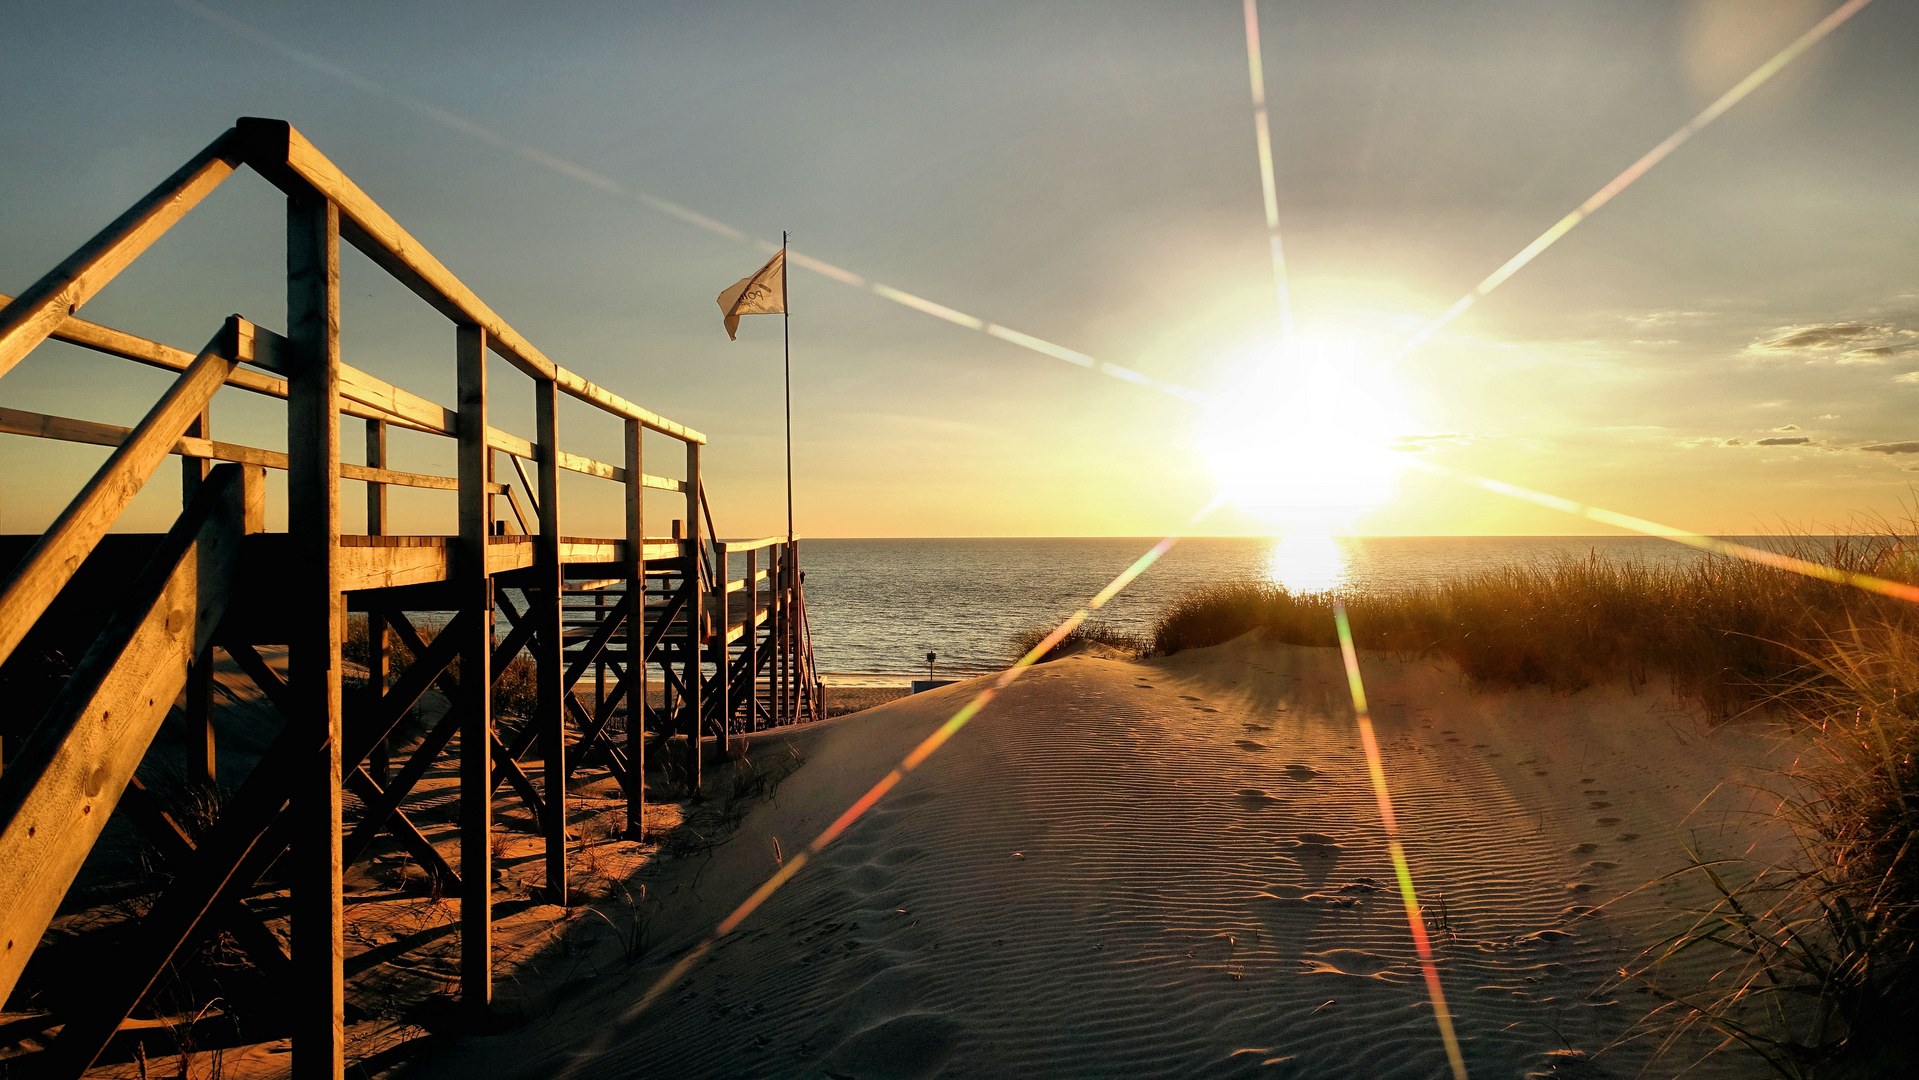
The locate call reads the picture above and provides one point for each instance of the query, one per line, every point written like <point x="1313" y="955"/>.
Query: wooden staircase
<point x="144" y="615"/>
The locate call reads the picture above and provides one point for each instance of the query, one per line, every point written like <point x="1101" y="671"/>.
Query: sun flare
<point x="1305" y="442"/>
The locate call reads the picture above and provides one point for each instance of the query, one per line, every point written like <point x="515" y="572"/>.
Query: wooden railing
<point x="302" y="584"/>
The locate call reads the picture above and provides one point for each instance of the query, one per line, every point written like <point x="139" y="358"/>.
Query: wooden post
<point x="723" y="618"/>
<point x="751" y="638"/>
<point x="635" y="632"/>
<point x="695" y="615"/>
<point x="379" y="664"/>
<point x="315" y="618"/>
<point x="549" y="646"/>
<point x="783" y="652"/>
<point x="476" y="684"/>
<point x="201" y="764"/>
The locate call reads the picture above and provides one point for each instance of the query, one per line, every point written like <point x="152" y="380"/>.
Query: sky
<point x="1730" y="345"/>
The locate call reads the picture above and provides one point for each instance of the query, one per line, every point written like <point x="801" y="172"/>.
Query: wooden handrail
<point x="52" y="562"/>
<point x="286" y="158"/>
<point x="33" y="315"/>
<point x="65" y="429"/>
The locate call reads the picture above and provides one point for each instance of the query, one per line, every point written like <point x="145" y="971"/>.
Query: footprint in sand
<point x="1481" y="746"/>
<point x="1189" y="697"/>
<point x="1205" y="708"/>
<point x="1627" y="838"/>
<point x="1257" y="727"/>
<point x="1300" y="772"/>
<point x="1584" y="849"/>
<point x="1248" y="744"/>
<point x="1255" y="799"/>
<point x="1312" y="843"/>
<point x="1586" y="780"/>
<point x="1598" y="805"/>
<point x="1594" y="791"/>
<point x="1602" y="865"/>
<point x="1579" y="887"/>
<point x="1541" y="772"/>
<point x="1609" y="820"/>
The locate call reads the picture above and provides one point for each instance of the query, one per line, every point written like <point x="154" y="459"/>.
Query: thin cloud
<point x="1857" y="343"/>
<point x="1787" y="427"/>
<point x="1801" y="441"/>
<point x="1892" y="448"/>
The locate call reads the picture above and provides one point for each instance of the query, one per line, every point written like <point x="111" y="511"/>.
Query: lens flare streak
<point x="671" y="209"/>
<point x="1895" y="589"/>
<point x="1637" y="169"/>
<point x="1269" y="189"/>
<point x="1376" y="768"/>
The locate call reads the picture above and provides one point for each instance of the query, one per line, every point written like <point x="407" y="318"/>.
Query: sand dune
<point x="1176" y="868"/>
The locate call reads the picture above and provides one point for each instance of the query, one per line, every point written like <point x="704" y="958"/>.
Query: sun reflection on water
<point x="1310" y="561"/>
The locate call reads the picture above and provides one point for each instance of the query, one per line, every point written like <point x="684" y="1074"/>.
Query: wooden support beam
<point x="202" y="743"/>
<point x="253" y="831"/>
<point x="722" y="683"/>
<point x="378" y="637"/>
<point x="691" y="678"/>
<point x="52" y="561"/>
<point x="62" y="785"/>
<point x="315" y="614"/>
<point x="546" y="599"/>
<point x="751" y="650"/>
<point x="34" y="314"/>
<point x="475" y="702"/>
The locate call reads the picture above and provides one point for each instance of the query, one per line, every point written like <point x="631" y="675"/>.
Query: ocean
<point x="879" y="606"/>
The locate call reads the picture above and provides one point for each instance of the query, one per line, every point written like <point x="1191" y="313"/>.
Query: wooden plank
<point x="546" y="599"/>
<point x="696" y="617"/>
<point x="315" y="616"/>
<point x="52" y="561"/>
<point x="62" y="784"/>
<point x="634" y="557"/>
<point x="376" y="490"/>
<point x="285" y="157"/>
<point x="197" y="714"/>
<point x="751" y="651"/>
<point x="722" y="684"/>
<point x="33" y="315"/>
<point x="475" y="700"/>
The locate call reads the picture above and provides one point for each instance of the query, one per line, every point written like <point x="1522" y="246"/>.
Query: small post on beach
<point x="931" y="659"/>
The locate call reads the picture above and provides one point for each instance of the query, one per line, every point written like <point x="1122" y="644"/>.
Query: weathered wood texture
<point x="64" y="782"/>
<point x="475" y="701"/>
<point x="316" y="626"/>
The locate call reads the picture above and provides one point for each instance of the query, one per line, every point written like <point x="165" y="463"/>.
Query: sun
<point x="1304" y="442"/>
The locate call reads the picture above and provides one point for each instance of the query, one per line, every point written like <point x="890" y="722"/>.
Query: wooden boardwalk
<point x="719" y="628"/>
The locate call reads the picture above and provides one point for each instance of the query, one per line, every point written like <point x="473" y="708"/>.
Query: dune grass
<point x="1724" y="631"/>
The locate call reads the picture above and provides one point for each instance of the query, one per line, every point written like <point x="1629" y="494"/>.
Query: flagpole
<point x="786" y="326"/>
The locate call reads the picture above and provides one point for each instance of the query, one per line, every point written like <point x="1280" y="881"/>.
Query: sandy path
<point x="1175" y="868"/>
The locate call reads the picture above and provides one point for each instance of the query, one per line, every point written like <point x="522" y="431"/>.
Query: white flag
<point x="762" y="293"/>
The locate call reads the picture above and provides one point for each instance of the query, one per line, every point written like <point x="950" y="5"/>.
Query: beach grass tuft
<point x="1086" y="633"/>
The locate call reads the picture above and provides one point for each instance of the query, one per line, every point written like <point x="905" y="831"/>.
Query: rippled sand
<point x="1176" y="868"/>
